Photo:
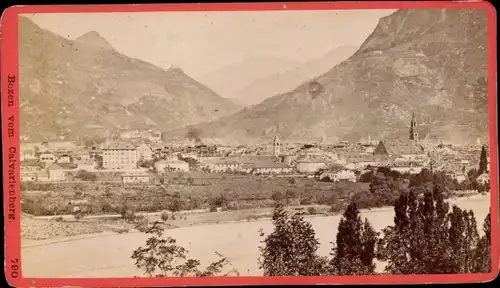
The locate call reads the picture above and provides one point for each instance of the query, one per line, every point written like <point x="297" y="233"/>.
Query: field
<point x="184" y="191"/>
<point x="108" y="254"/>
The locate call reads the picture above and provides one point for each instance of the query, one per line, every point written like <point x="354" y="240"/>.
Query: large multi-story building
<point x="120" y="157"/>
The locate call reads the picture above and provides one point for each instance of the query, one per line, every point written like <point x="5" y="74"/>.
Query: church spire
<point x="413" y="128"/>
<point x="276" y="145"/>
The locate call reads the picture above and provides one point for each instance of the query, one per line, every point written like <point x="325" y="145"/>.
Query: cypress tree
<point x="483" y="162"/>
<point x="354" y="251"/>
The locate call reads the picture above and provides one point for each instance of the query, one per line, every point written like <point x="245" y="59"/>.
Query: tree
<point x="427" y="238"/>
<point x="175" y="204"/>
<point x="291" y="249"/>
<point x="162" y="257"/>
<point x="277" y="196"/>
<point x="482" y="253"/>
<point x="354" y="251"/>
<point x="483" y="162"/>
<point x="164" y="216"/>
<point x="86" y="176"/>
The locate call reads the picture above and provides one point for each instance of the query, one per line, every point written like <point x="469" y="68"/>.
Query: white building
<point x="139" y="177"/>
<point x="310" y="166"/>
<point x="483" y="178"/>
<point x="172" y="164"/>
<point x="57" y="173"/>
<point x="120" y="157"/>
<point x="339" y="175"/>
<point x="65" y="158"/>
<point x="47" y="158"/>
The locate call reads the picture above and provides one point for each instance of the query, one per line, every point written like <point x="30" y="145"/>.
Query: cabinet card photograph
<point x="258" y="143"/>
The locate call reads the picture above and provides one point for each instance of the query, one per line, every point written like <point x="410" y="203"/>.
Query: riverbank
<point x="47" y="229"/>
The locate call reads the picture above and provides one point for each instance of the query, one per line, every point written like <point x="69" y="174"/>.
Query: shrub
<point x="164" y="216"/>
<point x="312" y="211"/>
<point x="86" y="176"/>
<point x="277" y="196"/>
<point x="78" y="216"/>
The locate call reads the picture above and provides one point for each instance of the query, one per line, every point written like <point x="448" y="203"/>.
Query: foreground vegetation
<point x="184" y="191"/>
<point x="427" y="237"/>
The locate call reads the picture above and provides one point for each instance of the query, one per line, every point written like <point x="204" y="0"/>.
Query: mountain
<point x="429" y="61"/>
<point x="229" y="80"/>
<point x="86" y="87"/>
<point x="284" y="81"/>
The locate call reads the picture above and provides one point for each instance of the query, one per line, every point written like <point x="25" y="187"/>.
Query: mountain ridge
<point x="429" y="61"/>
<point x="94" y="90"/>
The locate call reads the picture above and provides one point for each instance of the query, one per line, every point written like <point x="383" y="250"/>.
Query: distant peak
<point x="95" y="39"/>
<point x="176" y="70"/>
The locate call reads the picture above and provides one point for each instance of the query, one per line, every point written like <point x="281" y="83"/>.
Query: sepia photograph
<point x="255" y="143"/>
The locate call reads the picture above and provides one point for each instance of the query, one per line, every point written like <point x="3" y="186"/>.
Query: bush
<point x="86" y="176"/>
<point x="164" y="216"/>
<point x="142" y="223"/>
<point x="277" y="196"/>
<point x="78" y="216"/>
<point x="312" y="211"/>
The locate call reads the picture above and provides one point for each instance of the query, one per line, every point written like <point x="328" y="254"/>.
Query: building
<point x="406" y="167"/>
<point x="120" y="157"/>
<point x="138" y="177"/>
<point x="47" y="157"/>
<point x="413" y="128"/>
<point x="81" y="155"/>
<point x="276" y="146"/>
<point x="64" y="158"/>
<point x="171" y="165"/>
<point x="408" y="150"/>
<point x="460" y="177"/>
<point x="144" y="152"/>
<point x="338" y="175"/>
<point x="135" y="134"/>
<point x="29" y="177"/>
<point x="270" y="168"/>
<point x="223" y="165"/>
<point x="27" y="154"/>
<point x="310" y="165"/>
<point x="57" y="173"/>
<point x="358" y="160"/>
<point x="483" y="179"/>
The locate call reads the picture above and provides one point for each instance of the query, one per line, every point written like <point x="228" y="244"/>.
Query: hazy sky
<point x="202" y="42"/>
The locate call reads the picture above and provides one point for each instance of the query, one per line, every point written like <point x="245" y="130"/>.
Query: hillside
<point x="228" y="81"/>
<point x="85" y="87"/>
<point x="431" y="62"/>
<point x="285" y="81"/>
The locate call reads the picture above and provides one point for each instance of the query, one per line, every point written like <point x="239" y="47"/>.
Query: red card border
<point x="9" y="67"/>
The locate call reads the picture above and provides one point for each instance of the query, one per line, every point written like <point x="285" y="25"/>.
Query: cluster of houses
<point x="138" y="160"/>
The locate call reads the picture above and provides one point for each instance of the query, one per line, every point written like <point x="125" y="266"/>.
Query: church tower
<point x="413" y="128"/>
<point x="276" y="146"/>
